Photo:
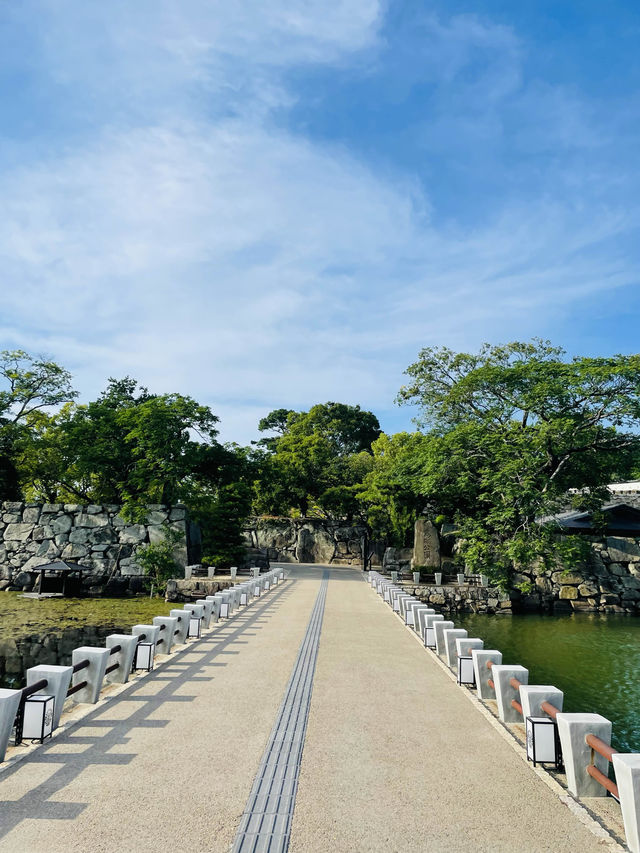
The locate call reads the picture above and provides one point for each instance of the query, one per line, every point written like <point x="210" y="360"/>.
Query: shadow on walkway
<point x="38" y="803"/>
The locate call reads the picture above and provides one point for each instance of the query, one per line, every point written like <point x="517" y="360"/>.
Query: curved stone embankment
<point x="462" y="598"/>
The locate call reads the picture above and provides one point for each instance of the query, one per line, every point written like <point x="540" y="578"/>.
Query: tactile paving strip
<point x="266" y="822"/>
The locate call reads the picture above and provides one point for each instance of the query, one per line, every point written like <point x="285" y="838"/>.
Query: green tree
<point x="28" y="385"/>
<point x="158" y="560"/>
<point x="512" y="428"/>
<point x="316" y="459"/>
<point x="389" y="493"/>
<point x="128" y="447"/>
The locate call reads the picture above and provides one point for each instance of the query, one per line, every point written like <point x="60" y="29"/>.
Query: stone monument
<point x="426" y="545"/>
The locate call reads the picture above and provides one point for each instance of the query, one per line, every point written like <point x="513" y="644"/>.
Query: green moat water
<point x="594" y="659"/>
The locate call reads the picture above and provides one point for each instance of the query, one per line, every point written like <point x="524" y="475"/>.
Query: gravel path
<point x="395" y="757"/>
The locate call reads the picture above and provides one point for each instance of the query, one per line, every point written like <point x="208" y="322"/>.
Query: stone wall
<point x="609" y="582"/>
<point x="96" y="537"/>
<point x="16" y="656"/>
<point x="307" y="540"/>
<point x="455" y="598"/>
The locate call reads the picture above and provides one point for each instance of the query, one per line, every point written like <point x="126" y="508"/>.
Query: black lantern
<point x="37" y="723"/>
<point x="543" y="743"/>
<point x="466" y="672"/>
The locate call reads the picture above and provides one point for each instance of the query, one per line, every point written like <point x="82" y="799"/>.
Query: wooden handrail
<point x="549" y="709"/>
<point x="599" y="746"/>
<point x="603" y="780"/>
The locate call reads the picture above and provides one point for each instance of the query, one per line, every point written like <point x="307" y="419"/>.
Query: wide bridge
<point x="310" y="721"/>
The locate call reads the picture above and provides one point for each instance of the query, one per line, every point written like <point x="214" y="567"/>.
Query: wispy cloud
<point x="185" y="236"/>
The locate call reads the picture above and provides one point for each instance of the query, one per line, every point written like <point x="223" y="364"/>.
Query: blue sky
<point x="273" y="203"/>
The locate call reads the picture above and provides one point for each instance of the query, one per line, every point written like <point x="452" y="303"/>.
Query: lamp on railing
<point x="37" y="720"/>
<point x="144" y="655"/>
<point x="543" y="744"/>
<point x="466" y="672"/>
<point x="195" y="626"/>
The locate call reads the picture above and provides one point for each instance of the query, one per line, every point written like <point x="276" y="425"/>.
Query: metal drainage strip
<point x="266" y="822"/>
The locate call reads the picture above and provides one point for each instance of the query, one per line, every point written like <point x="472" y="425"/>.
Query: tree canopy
<point x="317" y="460"/>
<point x="511" y="430"/>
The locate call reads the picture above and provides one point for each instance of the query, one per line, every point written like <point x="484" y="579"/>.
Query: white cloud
<point x="199" y="248"/>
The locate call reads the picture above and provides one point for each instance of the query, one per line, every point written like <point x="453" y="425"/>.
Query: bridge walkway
<point x="393" y="755"/>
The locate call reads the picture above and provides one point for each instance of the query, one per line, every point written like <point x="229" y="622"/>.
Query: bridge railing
<point x="579" y="743"/>
<point x="93" y="667"/>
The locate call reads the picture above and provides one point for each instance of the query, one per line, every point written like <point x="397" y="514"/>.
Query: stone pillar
<point x="576" y="753"/>
<point x="440" y="628"/>
<point x="165" y="634"/>
<point x="150" y="632"/>
<point x="208" y="607"/>
<point x="93" y="674"/>
<point x="216" y="601"/>
<point x="426" y="545"/>
<point x="419" y="612"/>
<point x="124" y="657"/>
<point x="183" y="625"/>
<point x="627" y="768"/>
<point x="533" y="695"/>
<point x="58" y="678"/>
<point x="465" y="645"/>
<point x="483" y="674"/>
<point x="211" y="570"/>
<point x="9" y="702"/>
<point x="430" y="621"/>
<point x="505" y="693"/>
<point x="450" y="638"/>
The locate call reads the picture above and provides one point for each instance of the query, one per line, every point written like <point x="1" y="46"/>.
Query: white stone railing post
<point x="9" y="703"/>
<point x="166" y="635"/>
<point x="465" y="645"/>
<point x="182" y="627"/>
<point x="576" y="752"/>
<point x="501" y="675"/>
<point x="58" y="681"/>
<point x="439" y="629"/>
<point x="480" y="659"/>
<point x="92" y="674"/>
<point x="533" y="695"/>
<point x="430" y="622"/>
<point x="124" y="657"/>
<point x="216" y="601"/>
<point x="451" y="652"/>
<point x="208" y="609"/>
<point x="627" y="770"/>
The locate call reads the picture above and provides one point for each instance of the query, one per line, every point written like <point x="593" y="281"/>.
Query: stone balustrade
<point x="93" y="668"/>
<point x="577" y="742"/>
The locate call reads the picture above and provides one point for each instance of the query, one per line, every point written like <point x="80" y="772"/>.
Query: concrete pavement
<point x="395" y="757"/>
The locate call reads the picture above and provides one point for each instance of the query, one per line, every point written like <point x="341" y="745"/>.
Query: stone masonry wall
<point x="609" y="582"/>
<point x="306" y="540"/>
<point x="96" y="537"/>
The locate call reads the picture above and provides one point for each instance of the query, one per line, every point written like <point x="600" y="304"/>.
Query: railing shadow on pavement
<point x="38" y="802"/>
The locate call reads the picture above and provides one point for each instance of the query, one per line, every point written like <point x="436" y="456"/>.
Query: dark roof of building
<point x="60" y="566"/>
<point x="622" y="518"/>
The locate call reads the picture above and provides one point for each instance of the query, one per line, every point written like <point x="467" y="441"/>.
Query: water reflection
<point x="593" y="658"/>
